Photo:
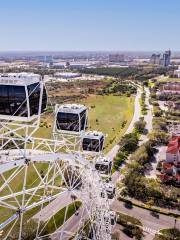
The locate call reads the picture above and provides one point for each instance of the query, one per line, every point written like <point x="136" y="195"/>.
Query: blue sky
<point x="89" y="25"/>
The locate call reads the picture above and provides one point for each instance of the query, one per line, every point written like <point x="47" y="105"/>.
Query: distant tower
<point x="155" y="59"/>
<point x="166" y="58"/>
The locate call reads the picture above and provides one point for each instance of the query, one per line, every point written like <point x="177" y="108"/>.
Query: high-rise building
<point x="155" y="59"/>
<point x="165" y="61"/>
<point x="116" y="58"/>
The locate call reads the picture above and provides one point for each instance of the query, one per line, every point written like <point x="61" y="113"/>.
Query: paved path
<point x="71" y="226"/>
<point x="137" y="113"/>
<point x="147" y="118"/>
<point x="52" y="208"/>
<point x="116" y="176"/>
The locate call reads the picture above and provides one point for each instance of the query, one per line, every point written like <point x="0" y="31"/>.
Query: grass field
<point x="109" y="114"/>
<point x="32" y="181"/>
<point x="106" y="114"/>
<point x="57" y="220"/>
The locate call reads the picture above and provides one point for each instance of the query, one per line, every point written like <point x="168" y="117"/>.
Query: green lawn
<point x="32" y="181"/>
<point x="107" y="114"/>
<point x="168" y="234"/>
<point x="123" y="218"/>
<point x="57" y="220"/>
<point x="53" y="224"/>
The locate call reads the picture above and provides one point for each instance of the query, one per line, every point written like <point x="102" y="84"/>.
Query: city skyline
<point x="89" y="26"/>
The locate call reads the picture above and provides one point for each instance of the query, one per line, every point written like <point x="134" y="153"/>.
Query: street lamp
<point x="175" y="220"/>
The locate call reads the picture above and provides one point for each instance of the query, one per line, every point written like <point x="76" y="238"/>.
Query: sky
<point x="89" y="25"/>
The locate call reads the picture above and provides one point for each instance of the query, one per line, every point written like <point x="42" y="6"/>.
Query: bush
<point x="129" y="142"/>
<point x="130" y="225"/>
<point x="140" y="126"/>
<point x="119" y="159"/>
<point x="157" y="111"/>
<point x="168" y="234"/>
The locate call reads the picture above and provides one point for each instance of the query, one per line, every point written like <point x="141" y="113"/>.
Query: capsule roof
<point x="103" y="160"/>
<point x="19" y="78"/>
<point x="71" y="108"/>
<point x="93" y="134"/>
<point x="110" y="214"/>
<point x="109" y="186"/>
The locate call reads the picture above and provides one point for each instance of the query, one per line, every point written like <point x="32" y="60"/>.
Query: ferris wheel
<point x="50" y="188"/>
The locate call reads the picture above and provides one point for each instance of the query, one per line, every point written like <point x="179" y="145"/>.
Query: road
<point x="47" y="212"/>
<point x="150" y="222"/>
<point x="113" y="152"/>
<point x="71" y="226"/>
<point x="137" y="113"/>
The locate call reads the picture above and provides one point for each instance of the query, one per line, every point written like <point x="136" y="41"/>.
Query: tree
<point x="140" y="126"/>
<point x="119" y="159"/>
<point x="129" y="142"/>
<point x="29" y="230"/>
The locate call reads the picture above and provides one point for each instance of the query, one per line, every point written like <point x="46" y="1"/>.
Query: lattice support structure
<point x="50" y="190"/>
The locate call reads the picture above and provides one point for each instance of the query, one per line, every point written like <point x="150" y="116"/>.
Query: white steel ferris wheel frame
<point x="61" y="149"/>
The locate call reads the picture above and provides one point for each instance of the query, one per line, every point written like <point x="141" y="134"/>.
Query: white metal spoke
<point x="67" y="176"/>
<point x="23" y="202"/>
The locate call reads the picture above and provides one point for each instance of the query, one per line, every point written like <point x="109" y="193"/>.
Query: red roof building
<point x="171" y="166"/>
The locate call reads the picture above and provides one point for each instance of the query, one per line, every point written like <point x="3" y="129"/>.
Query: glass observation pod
<point x="22" y="96"/>
<point x="110" y="216"/>
<point x="93" y="141"/>
<point x="103" y="165"/>
<point x="71" y="118"/>
<point x="109" y="190"/>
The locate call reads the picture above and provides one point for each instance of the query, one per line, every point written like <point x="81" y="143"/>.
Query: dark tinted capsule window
<point x="83" y="119"/>
<point x="91" y="144"/>
<point x="68" y="121"/>
<point x="34" y="97"/>
<point x="13" y="100"/>
<point x="34" y="92"/>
